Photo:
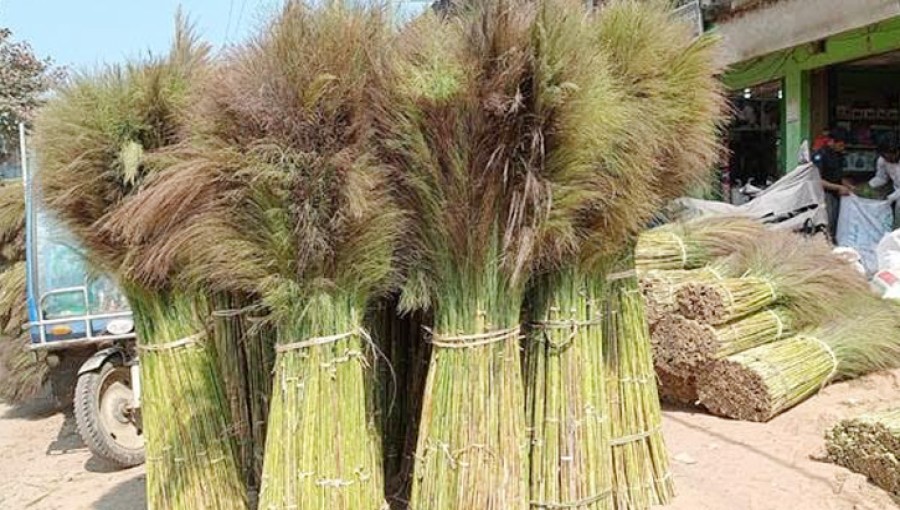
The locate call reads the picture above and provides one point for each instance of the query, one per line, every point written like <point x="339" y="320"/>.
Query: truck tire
<point x="103" y="418"/>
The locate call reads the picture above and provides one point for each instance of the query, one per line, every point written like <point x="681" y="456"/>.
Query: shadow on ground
<point x="67" y="439"/>
<point x="128" y="495"/>
<point x="37" y="408"/>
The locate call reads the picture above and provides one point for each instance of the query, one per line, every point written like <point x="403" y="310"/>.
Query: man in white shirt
<point x="887" y="170"/>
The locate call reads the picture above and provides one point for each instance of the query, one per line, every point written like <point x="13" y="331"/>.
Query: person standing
<point x="887" y="170"/>
<point x="830" y="161"/>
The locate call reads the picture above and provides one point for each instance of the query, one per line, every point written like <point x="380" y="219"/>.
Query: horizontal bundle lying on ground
<point x="760" y="383"/>
<point x="721" y="333"/>
<point x="684" y="346"/>
<point x="869" y="445"/>
<point x="695" y="243"/>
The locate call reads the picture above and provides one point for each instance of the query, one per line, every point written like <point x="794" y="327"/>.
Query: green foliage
<point x="24" y="79"/>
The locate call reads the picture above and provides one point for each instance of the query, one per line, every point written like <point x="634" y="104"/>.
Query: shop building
<point x="795" y="68"/>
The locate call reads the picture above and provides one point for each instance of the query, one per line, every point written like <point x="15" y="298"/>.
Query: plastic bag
<point x="861" y="226"/>
<point x="796" y="202"/>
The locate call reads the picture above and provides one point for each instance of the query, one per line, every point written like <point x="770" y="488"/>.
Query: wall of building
<point x="796" y="66"/>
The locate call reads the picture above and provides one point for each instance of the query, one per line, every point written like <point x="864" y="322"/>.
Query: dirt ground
<point x="45" y="465"/>
<point x="718" y="464"/>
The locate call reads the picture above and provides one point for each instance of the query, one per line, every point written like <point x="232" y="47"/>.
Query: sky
<point x="84" y="34"/>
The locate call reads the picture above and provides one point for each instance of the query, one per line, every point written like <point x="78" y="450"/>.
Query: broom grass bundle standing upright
<point x="278" y="194"/>
<point x="671" y="77"/>
<point x="596" y="169"/>
<point x="760" y="383"/>
<point x="21" y="374"/>
<point x="460" y="136"/>
<point x="94" y="139"/>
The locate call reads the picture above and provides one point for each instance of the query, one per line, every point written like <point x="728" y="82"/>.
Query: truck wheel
<point x="104" y="417"/>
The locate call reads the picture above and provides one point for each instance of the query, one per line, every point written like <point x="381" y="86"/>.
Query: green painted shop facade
<point x="847" y="81"/>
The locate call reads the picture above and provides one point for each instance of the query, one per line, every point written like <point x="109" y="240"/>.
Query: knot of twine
<point x="183" y="342"/>
<point x="573" y="325"/>
<point x="350" y="354"/>
<point x="474" y="340"/>
<point x="682" y="247"/>
<point x="779" y="322"/>
<point x="550" y="505"/>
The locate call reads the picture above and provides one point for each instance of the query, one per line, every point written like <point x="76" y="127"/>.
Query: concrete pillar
<point x="795" y="127"/>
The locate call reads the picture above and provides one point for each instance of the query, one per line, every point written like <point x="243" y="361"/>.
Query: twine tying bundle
<point x="573" y="325"/>
<point x="834" y="359"/>
<point x="314" y="341"/>
<point x="183" y="342"/>
<point x="551" y="505"/>
<point x="474" y="340"/>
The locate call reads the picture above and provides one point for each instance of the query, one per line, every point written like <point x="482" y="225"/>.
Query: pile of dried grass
<point x="870" y="445"/>
<point x="716" y="340"/>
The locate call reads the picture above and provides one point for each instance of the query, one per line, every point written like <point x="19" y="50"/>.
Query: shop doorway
<point x="754" y="138"/>
<point x="865" y="110"/>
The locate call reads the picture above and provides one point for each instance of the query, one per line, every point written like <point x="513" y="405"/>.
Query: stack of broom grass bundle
<point x="95" y="140"/>
<point x="869" y="445"/>
<point x="781" y="318"/>
<point x="21" y="375"/>
<point x="489" y="167"/>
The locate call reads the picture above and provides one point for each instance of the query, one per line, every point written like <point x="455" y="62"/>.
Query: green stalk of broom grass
<point x="323" y="358"/>
<point x="641" y="475"/>
<point x="566" y="405"/>
<point x="472" y="449"/>
<point x="191" y="457"/>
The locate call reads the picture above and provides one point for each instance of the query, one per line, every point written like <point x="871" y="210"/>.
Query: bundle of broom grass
<point x="694" y="243"/>
<point x="94" y="139"/>
<point x="683" y="347"/>
<point x="659" y="286"/>
<point x="21" y="374"/>
<point x="594" y="96"/>
<point x="869" y="445"/>
<point x="640" y="465"/>
<point x="760" y="383"/>
<point x="458" y="134"/>
<point x="277" y="193"/>
<point x="800" y="274"/>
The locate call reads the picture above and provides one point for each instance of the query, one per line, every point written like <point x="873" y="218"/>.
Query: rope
<point x="621" y="275"/>
<point x="771" y="289"/>
<point x="573" y="325"/>
<point x="780" y="324"/>
<point x="474" y="340"/>
<point x="684" y="255"/>
<point x="184" y="342"/>
<point x="312" y="342"/>
<point x="620" y="441"/>
<point x="834" y="358"/>
<point x="550" y="505"/>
